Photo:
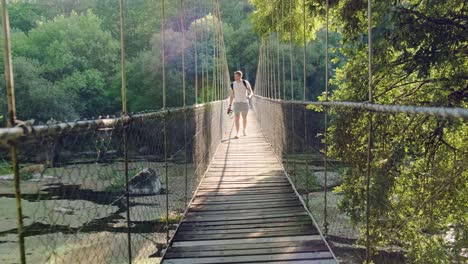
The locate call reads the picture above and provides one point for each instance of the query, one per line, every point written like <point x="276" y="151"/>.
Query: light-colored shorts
<point x="241" y="108"/>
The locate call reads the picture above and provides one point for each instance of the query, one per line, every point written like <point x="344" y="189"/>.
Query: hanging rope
<point x="125" y="132"/>
<point x="291" y="49"/>
<point x="292" y="83"/>
<point x="370" y="142"/>
<point x="325" y="213"/>
<point x="304" y="51"/>
<point x="11" y="122"/>
<point x="165" y="119"/>
<point x="282" y="50"/>
<point x="215" y="40"/>
<point x="278" y="73"/>
<point x="196" y="55"/>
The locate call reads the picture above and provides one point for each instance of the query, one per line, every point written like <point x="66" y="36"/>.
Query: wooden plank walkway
<point x="245" y="211"/>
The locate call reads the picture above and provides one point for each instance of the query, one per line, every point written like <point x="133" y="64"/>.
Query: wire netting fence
<point x="73" y="185"/>
<point x="391" y="213"/>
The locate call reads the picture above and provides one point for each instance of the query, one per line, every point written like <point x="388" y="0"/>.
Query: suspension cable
<point x="278" y="71"/>
<point x="291" y="49"/>
<point x="125" y="132"/>
<point x="371" y="134"/>
<point x="11" y="122"/>
<point x="282" y="49"/>
<point x="196" y="54"/>
<point x="325" y="213"/>
<point x="182" y="28"/>
<point x="304" y="51"/>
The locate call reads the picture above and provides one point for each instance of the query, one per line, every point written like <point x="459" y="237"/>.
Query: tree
<point x="37" y="98"/>
<point x="419" y="169"/>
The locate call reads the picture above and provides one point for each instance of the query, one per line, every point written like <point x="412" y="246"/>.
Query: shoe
<point x="245" y="134"/>
<point x="236" y="137"/>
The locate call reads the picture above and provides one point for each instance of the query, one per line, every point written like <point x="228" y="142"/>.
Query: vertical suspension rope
<point x="325" y="213"/>
<point x="11" y="122"/>
<point x="304" y="98"/>
<point x="291" y="49"/>
<point x="271" y="60"/>
<point x="282" y="50"/>
<point x="125" y="132"/>
<point x="165" y="116"/>
<point x="304" y="51"/>
<point x="292" y="82"/>
<point x="213" y="81"/>
<point x="182" y="27"/>
<point x="196" y="59"/>
<point x="371" y="132"/>
<point x="278" y="71"/>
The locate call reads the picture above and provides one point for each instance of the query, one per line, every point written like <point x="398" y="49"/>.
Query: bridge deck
<point x="245" y="211"/>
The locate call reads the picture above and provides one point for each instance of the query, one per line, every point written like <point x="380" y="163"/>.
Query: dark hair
<point x="238" y="72"/>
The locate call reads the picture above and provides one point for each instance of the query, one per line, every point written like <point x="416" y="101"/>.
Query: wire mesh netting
<point x="107" y="189"/>
<point x="410" y="195"/>
<point x="73" y="184"/>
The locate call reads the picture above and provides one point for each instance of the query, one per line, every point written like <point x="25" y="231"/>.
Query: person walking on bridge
<point x="241" y="92"/>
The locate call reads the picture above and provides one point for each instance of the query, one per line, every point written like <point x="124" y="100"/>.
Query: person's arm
<point x="231" y="98"/>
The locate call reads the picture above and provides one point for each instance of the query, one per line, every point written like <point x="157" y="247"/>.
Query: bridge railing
<point x="108" y="190"/>
<point x="378" y="208"/>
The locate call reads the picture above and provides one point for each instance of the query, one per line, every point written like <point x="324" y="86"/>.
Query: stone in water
<point x="145" y="182"/>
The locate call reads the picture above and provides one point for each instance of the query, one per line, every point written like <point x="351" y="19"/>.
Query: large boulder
<point x="146" y="181"/>
<point x="333" y="178"/>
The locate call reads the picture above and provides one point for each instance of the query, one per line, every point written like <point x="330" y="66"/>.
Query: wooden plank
<point x="217" y="172"/>
<point x="257" y="205"/>
<point x="277" y="219"/>
<point x="201" y="218"/>
<point x="246" y="211"/>
<point x="244" y="198"/>
<point x="248" y="230"/>
<point x="251" y="258"/>
<point x="243" y="192"/>
<point x="183" y="237"/>
<point x="245" y="184"/>
<point x="246" y="240"/>
<point x="247" y="202"/>
<point x="247" y="178"/>
<point x="244" y="246"/>
<point x="244" y="187"/>
<point x="261" y="224"/>
<point x="247" y="252"/>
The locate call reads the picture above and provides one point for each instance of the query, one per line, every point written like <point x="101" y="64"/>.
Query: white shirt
<point x="241" y="92"/>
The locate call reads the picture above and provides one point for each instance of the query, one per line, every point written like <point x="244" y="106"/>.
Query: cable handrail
<point x="437" y="111"/>
<point x="24" y="130"/>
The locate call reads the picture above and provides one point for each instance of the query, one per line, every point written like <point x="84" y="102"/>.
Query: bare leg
<point x="244" y="119"/>
<point x="237" y="121"/>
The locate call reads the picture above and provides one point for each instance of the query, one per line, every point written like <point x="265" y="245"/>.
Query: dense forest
<point x="66" y="54"/>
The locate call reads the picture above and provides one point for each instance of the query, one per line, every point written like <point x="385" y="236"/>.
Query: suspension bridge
<point x="174" y="186"/>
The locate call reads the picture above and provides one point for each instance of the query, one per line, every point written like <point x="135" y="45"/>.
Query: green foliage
<point x="23" y="16"/>
<point x="37" y="98"/>
<point x="419" y="169"/>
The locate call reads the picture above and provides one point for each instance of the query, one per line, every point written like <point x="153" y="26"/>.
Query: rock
<point x="144" y="150"/>
<point x="39" y="177"/>
<point x="33" y="169"/>
<point x="63" y="210"/>
<point x="333" y="178"/>
<point x="8" y="177"/>
<point x="145" y="182"/>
